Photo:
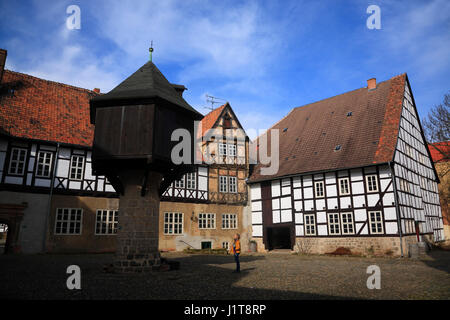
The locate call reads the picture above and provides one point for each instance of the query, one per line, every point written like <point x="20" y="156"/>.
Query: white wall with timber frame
<point x="29" y="179"/>
<point x="416" y="181"/>
<point x="293" y="198"/>
<point x="182" y="191"/>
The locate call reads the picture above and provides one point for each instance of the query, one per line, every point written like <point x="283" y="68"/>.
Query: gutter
<point x="50" y="196"/>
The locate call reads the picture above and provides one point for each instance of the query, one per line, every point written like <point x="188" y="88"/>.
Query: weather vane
<point x="151" y="50"/>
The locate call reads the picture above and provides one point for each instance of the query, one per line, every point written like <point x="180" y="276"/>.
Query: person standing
<point x="236" y="250"/>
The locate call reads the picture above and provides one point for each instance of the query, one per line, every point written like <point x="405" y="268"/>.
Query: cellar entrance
<point x="279" y="238"/>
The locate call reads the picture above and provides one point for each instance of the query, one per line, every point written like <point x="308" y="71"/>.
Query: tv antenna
<point x="213" y="100"/>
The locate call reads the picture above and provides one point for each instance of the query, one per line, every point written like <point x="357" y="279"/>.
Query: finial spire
<point x="151" y="50"/>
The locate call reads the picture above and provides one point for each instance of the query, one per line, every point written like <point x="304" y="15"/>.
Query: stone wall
<point x="32" y="228"/>
<point x="193" y="236"/>
<point x="137" y="236"/>
<point x="87" y="241"/>
<point x="389" y="246"/>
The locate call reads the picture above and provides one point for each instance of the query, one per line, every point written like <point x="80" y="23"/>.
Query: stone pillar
<point x="137" y="235"/>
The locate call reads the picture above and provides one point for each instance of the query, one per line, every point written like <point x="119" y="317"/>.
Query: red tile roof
<point x="308" y="135"/>
<point x="210" y="119"/>
<point x="39" y="109"/>
<point x="440" y="151"/>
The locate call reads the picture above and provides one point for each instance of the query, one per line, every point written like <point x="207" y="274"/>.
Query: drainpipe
<point x="397" y="208"/>
<point x="50" y="195"/>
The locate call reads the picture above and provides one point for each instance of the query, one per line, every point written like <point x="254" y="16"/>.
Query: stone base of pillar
<point x="137" y="234"/>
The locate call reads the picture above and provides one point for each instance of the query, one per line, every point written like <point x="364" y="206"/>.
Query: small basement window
<point x="206" y="245"/>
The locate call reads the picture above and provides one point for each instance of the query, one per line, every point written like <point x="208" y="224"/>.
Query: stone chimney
<point x="97" y="90"/>
<point x="372" y="84"/>
<point x="3" y="54"/>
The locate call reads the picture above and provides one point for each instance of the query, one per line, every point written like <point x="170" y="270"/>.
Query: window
<point x="223" y="184"/>
<point x="190" y="180"/>
<point x="232" y="150"/>
<point x="347" y="223"/>
<point x="179" y="183"/>
<point x="319" y="189"/>
<point x="106" y="222"/>
<point x="44" y="162"/>
<point x="226" y="245"/>
<point x="206" y="245"/>
<point x="376" y="222"/>
<point x="68" y="221"/>
<point x="229" y="221"/>
<point x="76" y="167"/>
<point x="17" y="161"/>
<point x="222" y="149"/>
<point x="310" y="225"/>
<point x="232" y="184"/>
<point x="372" y="184"/>
<point x="173" y="223"/>
<point x="207" y="221"/>
<point x="333" y="223"/>
<point x="344" y="186"/>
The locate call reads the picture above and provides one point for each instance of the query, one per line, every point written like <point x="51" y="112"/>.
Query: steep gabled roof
<point x="354" y="129"/>
<point x="211" y="118"/>
<point x="38" y="109"/>
<point x="146" y="82"/>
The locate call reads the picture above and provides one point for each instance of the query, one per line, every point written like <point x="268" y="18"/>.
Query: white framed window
<point x="68" y="221"/>
<point x="106" y="222"/>
<point x="191" y="180"/>
<point x="375" y="222"/>
<point x="333" y="224"/>
<point x="344" y="186"/>
<point x="318" y="187"/>
<point x="229" y="221"/>
<point x="44" y="164"/>
<point x="179" y="183"/>
<point x="222" y="149"/>
<point x="17" y="161"/>
<point x="76" y="167"/>
<point x="207" y="221"/>
<point x="223" y="184"/>
<point x="226" y="245"/>
<point x="173" y="223"/>
<point x="347" y="223"/>
<point x="310" y="224"/>
<point x="232" y="150"/>
<point x="232" y="184"/>
<point x="371" y="183"/>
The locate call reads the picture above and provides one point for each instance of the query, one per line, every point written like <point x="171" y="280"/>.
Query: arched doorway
<point x="11" y="215"/>
<point x="3" y="237"/>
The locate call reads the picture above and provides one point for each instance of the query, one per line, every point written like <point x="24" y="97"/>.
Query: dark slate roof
<point x="146" y="82"/>
<point x="310" y="134"/>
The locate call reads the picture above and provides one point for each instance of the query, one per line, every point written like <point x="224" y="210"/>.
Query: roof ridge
<point x="51" y="81"/>
<point x="354" y="90"/>
<point x="213" y="110"/>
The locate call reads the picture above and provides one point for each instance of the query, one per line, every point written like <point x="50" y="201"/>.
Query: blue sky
<point x="264" y="57"/>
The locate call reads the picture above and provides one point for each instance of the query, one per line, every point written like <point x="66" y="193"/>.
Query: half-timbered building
<point x="207" y="207"/>
<point x="52" y="202"/>
<point x="354" y="172"/>
<point x="49" y="197"/>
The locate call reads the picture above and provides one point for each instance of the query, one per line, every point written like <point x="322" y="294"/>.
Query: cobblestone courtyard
<point x="269" y="276"/>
